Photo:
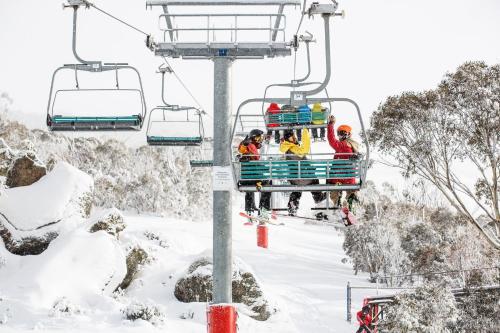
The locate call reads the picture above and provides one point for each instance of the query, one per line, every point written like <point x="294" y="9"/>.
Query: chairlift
<point x="274" y="171"/>
<point x="171" y="129"/>
<point x="166" y="130"/>
<point x="72" y="122"/>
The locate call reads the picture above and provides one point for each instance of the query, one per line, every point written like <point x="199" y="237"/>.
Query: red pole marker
<point x="221" y="318"/>
<point x="262" y="238"/>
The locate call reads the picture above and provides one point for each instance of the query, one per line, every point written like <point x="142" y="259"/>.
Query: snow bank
<point x="79" y="266"/>
<point x="61" y="194"/>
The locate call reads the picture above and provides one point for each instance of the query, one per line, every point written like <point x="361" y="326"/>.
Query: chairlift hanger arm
<point x="76" y="4"/>
<point x="326" y="11"/>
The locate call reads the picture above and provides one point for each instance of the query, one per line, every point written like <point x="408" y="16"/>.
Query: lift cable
<point x="116" y="18"/>
<point x="147" y="35"/>
<point x="302" y="17"/>
<point x="202" y="109"/>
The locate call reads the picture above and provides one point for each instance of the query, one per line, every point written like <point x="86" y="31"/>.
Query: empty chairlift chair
<point x="175" y="126"/>
<point x="69" y="121"/>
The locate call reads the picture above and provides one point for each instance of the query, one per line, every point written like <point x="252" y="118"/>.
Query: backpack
<point x="243" y="150"/>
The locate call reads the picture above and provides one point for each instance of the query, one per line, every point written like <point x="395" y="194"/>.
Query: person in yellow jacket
<point x="295" y="152"/>
<point x="318" y="118"/>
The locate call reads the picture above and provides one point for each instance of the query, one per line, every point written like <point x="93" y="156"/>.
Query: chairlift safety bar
<point x="275" y="26"/>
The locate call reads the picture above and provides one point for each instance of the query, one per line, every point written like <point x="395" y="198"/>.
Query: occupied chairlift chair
<point x="92" y="123"/>
<point x="317" y="166"/>
<point x="295" y="120"/>
<point x="193" y="117"/>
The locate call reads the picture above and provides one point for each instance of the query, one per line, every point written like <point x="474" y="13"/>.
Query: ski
<point x="301" y="217"/>
<point x="259" y="220"/>
<point x="315" y="221"/>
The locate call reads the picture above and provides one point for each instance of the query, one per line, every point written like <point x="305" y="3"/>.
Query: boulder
<point x="135" y="259"/>
<point x="111" y="222"/>
<point x="25" y="171"/>
<point x="63" y="195"/>
<point x="25" y="245"/>
<point x="196" y="286"/>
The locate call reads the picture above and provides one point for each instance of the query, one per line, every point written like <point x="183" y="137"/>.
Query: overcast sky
<point x="381" y="48"/>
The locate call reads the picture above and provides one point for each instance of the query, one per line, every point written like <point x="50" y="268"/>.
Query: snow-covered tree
<point x="428" y="309"/>
<point x="375" y="248"/>
<point x="478" y="311"/>
<point x="146" y="179"/>
<point x="435" y="134"/>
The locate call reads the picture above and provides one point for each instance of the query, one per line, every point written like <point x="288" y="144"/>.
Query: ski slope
<point x="301" y="275"/>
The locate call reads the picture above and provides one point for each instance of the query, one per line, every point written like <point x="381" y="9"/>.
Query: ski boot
<point x="264" y="216"/>
<point x="353" y="198"/>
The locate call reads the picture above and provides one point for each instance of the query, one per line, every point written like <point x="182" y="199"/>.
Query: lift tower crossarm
<point x="222" y="3"/>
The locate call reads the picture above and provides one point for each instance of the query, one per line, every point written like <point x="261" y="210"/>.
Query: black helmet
<point x="287" y="134"/>
<point x="256" y="135"/>
<point x="255" y="132"/>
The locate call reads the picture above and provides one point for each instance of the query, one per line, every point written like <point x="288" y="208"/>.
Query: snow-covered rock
<point x="25" y="170"/>
<point x="110" y="222"/>
<point x="196" y="286"/>
<point x="135" y="259"/>
<point x="64" y="193"/>
<point x="77" y="265"/>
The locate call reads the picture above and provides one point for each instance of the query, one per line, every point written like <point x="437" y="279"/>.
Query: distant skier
<point x="295" y="151"/>
<point x="249" y="151"/>
<point x="364" y="319"/>
<point x="345" y="148"/>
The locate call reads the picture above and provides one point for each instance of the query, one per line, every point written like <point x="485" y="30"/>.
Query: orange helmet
<point x="345" y="128"/>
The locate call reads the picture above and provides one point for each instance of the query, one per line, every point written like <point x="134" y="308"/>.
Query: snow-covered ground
<point x="301" y="275"/>
<point x="69" y="287"/>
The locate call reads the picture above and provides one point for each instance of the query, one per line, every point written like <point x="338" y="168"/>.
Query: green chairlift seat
<point x="301" y="170"/>
<point x="174" y="141"/>
<point x="71" y="123"/>
<point x="201" y="163"/>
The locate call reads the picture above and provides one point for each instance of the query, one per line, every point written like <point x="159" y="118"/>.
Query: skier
<point x="364" y="319"/>
<point x="273" y="109"/>
<point x="249" y="151"/>
<point x="318" y="118"/>
<point x="345" y="148"/>
<point x="295" y="151"/>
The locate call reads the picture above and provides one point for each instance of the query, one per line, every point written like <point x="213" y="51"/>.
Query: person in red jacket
<point x="273" y="109"/>
<point x="345" y="148"/>
<point x="248" y="150"/>
<point x="364" y="319"/>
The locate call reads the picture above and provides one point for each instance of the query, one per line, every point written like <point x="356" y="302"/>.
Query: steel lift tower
<point x="243" y="27"/>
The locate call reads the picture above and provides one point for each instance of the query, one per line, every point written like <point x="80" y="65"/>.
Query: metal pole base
<point x="221" y="318"/>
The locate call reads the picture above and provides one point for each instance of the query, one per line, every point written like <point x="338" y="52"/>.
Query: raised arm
<point x="339" y="146"/>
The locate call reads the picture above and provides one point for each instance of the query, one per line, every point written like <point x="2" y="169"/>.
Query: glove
<point x="331" y="120"/>
<point x="258" y="185"/>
